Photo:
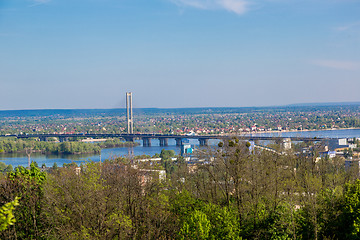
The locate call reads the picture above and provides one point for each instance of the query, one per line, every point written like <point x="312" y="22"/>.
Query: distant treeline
<point x="18" y="145"/>
<point x="66" y="113"/>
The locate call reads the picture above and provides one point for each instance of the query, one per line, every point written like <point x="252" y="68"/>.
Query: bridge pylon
<point x="129" y="113"/>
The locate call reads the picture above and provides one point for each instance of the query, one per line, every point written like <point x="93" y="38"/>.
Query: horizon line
<point x="317" y="104"/>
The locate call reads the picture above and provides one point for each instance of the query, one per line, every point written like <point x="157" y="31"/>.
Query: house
<point x="339" y="144"/>
<point x="330" y="154"/>
<point x="286" y="143"/>
<point x="147" y="175"/>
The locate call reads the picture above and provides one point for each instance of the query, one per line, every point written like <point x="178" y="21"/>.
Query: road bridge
<point x="163" y="138"/>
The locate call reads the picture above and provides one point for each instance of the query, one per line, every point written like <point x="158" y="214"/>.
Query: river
<point x="49" y="160"/>
<point x="16" y="159"/>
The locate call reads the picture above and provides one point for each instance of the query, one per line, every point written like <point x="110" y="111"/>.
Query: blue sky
<point x="178" y="53"/>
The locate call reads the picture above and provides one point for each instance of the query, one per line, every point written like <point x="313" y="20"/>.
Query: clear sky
<point x="178" y="53"/>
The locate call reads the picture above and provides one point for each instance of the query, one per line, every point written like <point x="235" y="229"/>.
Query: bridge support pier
<point x="203" y="142"/>
<point x="129" y="139"/>
<point x="43" y="139"/>
<point x="146" y="142"/>
<point x="178" y="142"/>
<point x="163" y="142"/>
<point x="63" y="139"/>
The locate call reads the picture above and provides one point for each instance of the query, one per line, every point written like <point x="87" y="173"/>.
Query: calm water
<point x="49" y="160"/>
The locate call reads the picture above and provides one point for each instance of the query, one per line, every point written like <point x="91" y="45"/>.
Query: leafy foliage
<point x="28" y="185"/>
<point x="235" y="194"/>
<point x="6" y="214"/>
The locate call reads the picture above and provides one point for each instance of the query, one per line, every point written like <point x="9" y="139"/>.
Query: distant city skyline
<point x="62" y="54"/>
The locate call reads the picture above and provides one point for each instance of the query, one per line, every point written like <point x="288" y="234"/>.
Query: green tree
<point x="350" y="217"/>
<point x="7" y="217"/>
<point x="9" y="168"/>
<point x="167" y="154"/>
<point x="55" y="166"/>
<point x="196" y="226"/>
<point x="2" y="166"/>
<point x="84" y="206"/>
<point x="28" y="185"/>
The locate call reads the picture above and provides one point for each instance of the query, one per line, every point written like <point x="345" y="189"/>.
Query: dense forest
<point x="235" y="193"/>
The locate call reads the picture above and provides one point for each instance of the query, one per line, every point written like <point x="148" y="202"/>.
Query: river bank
<point x="305" y="130"/>
<point x="110" y="153"/>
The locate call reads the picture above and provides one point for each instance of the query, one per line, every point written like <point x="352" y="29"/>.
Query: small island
<point x="52" y="147"/>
